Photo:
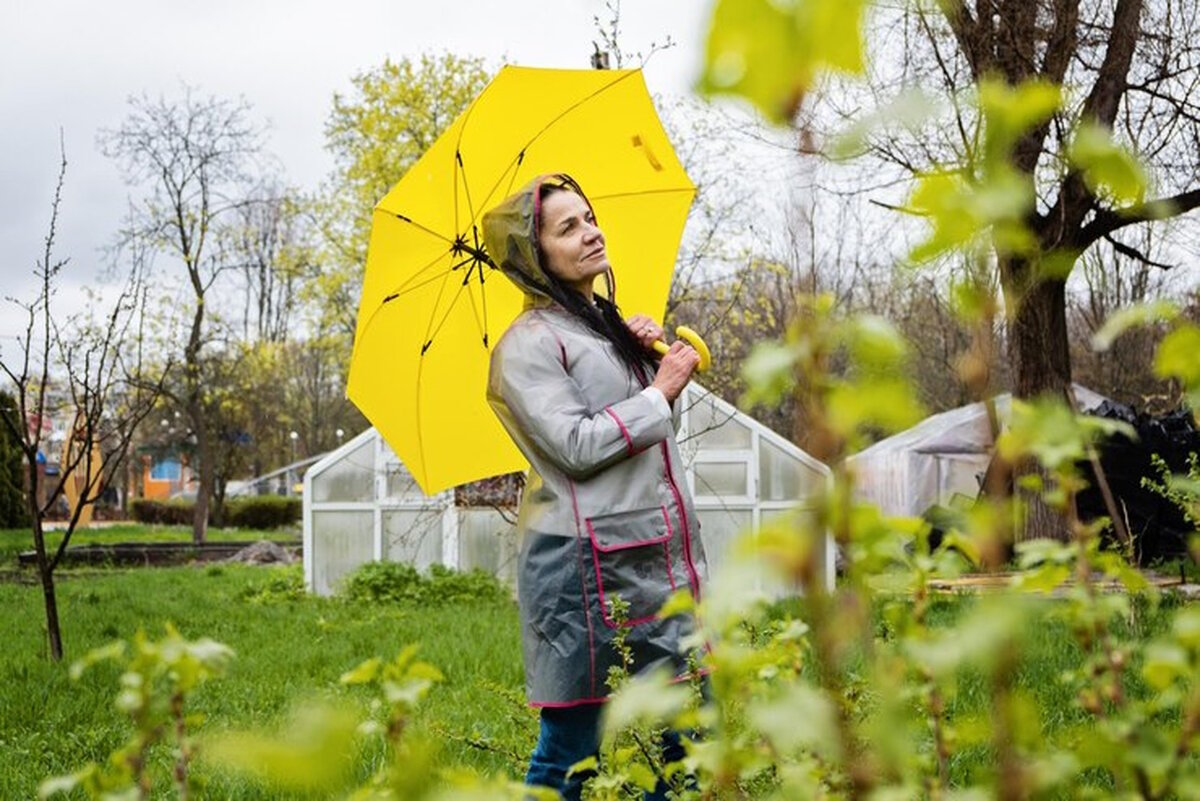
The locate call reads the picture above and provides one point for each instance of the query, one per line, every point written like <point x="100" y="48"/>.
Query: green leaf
<point x="680" y="602"/>
<point x="365" y="673"/>
<point x="315" y="751"/>
<point x="64" y="784"/>
<point x="1010" y="111"/>
<point x="1109" y="170"/>
<point x="1163" y="662"/>
<point x="910" y="109"/>
<point x="1042" y="579"/>
<point x="585" y="765"/>
<point x="1186" y="627"/>
<point x="769" y="372"/>
<point x="771" y="51"/>
<point x="800" y="718"/>
<point x="1139" y="314"/>
<point x="651" y="698"/>
<point x="114" y="651"/>
<point x="1178" y="356"/>
<point x="874" y="342"/>
<point x="641" y="776"/>
<point x="886" y="403"/>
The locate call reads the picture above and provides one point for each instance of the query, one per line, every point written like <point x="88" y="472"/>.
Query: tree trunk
<point x="46" y="575"/>
<point x="204" y="488"/>
<point x="1039" y="353"/>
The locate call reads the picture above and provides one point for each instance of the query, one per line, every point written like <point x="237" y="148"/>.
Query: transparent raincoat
<point x="606" y="509"/>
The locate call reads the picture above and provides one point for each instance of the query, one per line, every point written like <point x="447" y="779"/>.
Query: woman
<point x="606" y="511"/>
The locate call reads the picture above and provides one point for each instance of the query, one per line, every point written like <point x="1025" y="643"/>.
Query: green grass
<point x="286" y="652"/>
<point x="289" y="651"/>
<point x="15" y="540"/>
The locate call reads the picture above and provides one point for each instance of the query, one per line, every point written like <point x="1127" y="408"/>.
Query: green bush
<point x="260" y="513"/>
<point x="396" y="582"/>
<point x="263" y="512"/>
<point x="165" y="513"/>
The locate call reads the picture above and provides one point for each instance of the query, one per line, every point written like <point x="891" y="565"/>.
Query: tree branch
<point x="1135" y="254"/>
<point x="1109" y="220"/>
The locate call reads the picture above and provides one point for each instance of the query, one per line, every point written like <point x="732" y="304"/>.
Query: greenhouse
<point x="943" y="456"/>
<point x="361" y="504"/>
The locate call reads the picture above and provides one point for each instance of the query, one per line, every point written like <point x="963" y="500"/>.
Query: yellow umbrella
<point x="433" y="302"/>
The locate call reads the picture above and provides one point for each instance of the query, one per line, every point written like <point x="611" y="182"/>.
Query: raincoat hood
<point x="510" y="234"/>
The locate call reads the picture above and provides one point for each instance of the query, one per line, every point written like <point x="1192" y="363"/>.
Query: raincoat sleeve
<point x="539" y="403"/>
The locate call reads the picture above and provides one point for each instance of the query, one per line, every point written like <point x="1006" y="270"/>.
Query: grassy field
<point x="286" y="651"/>
<point x="291" y="650"/>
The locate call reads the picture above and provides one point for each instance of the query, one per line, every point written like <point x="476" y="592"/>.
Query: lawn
<point x="286" y="651"/>
<point x="291" y="650"/>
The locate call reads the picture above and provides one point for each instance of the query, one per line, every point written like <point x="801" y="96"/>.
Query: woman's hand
<point x="675" y="369"/>
<point x="644" y="330"/>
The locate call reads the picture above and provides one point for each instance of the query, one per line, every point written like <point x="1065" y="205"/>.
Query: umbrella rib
<point x="402" y="289"/>
<point x="406" y="284"/>
<point x="643" y="192"/>
<point x="429" y="331"/>
<point x="431" y="334"/>
<point x="461" y="171"/>
<point x="406" y="289"/>
<point x="521" y="153"/>
<point x="475" y="310"/>
<point x="415" y="224"/>
<point x="420" y="428"/>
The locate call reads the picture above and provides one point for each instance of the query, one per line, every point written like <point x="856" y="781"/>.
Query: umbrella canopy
<point x="433" y="302"/>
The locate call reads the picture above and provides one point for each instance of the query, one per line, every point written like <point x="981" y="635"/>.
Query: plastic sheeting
<point x="943" y="456"/>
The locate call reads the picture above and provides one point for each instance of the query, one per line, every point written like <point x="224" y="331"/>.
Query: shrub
<point x="166" y="513"/>
<point x="284" y="584"/>
<point x="257" y="513"/>
<point x="263" y="512"/>
<point x="397" y="582"/>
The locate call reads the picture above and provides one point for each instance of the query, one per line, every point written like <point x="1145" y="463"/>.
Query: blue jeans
<point x="573" y="734"/>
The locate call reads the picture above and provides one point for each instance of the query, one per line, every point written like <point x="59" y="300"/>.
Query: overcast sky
<point x="71" y="65"/>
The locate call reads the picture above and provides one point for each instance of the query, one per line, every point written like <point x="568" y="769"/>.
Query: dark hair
<point x="602" y="317"/>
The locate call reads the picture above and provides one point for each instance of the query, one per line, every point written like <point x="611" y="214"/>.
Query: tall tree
<point x="194" y="158"/>
<point x="1047" y="99"/>
<point x="375" y="133"/>
<point x="1130" y="68"/>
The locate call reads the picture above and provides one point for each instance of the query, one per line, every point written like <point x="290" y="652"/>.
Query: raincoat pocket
<point x="631" y="552"/>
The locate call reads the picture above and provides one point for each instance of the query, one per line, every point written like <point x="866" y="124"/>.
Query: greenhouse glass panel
<point x="793" y="516"/>
<point x="413" y="536"/>
<point x="718" y="530"/>
<point x="783" y="477"/>
<point x="341" y="542"/>
<point x="487" y="542"/>
<point x="713" y="429"/>
<point x="351" y="478"/>
<point x="401" y="486"/>
<point x="721" y="479"/>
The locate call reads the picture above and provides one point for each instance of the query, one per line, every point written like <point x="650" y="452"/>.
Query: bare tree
<point x="1123" y="371"/>
<point x="89" y="369"/>
<point x="194" y="155"/>
<point x="265" y="244"/>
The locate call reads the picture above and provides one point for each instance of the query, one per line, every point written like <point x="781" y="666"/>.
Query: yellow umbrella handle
<point x="692" y="338"/>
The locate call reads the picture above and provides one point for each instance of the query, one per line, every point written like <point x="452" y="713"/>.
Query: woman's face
<point x="572" y="245"/>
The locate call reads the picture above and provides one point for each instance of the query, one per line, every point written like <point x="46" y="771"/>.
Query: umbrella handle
<point x="695" y="340"/>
